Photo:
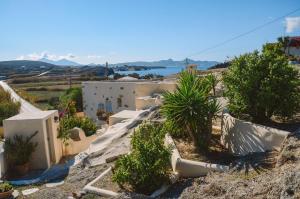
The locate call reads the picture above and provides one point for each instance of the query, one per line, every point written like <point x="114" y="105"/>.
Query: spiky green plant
<point x="191" y="107"/>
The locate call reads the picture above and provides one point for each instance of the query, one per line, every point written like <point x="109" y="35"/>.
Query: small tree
<point x="262" y="85"/>
<point x="192" y="108"/>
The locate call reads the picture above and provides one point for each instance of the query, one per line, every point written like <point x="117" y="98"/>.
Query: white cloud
<point x="94" y="56"/>
<point x="292" y="23"/>
<point x="45" y="54"/>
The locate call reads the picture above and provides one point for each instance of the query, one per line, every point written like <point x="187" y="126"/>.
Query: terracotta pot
<point x="6" y="194"/>
<point x="22" y="169"/>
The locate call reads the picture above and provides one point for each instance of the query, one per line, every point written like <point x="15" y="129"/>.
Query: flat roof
<point x="127" y="114"/>
<point x="32" y="116"/>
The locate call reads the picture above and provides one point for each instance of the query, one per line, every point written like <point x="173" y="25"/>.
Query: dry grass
<point x="215" y="154"/>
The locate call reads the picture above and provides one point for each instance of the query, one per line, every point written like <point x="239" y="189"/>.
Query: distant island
<point x="136" y="68"/>
<point x="29" y="67"/>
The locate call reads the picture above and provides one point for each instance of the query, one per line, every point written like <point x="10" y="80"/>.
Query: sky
<point x="96" y="31"/>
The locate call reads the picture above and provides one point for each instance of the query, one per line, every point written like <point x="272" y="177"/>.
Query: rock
<point x="27" y="192"/>
<point x="15" y="194"/>
<point x="54" y="184"/>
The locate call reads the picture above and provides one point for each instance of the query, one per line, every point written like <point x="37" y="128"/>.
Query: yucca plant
<point x="192" y="108"/>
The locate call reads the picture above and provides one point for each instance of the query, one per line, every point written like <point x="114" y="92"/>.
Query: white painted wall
<point x="97" y="92"/>
<point x="295" y="51"/>
<point x="49" y="149"/>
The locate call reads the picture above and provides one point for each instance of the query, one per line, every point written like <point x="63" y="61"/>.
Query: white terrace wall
<point x="79" y="143"/>
<point x="242" y="137"/>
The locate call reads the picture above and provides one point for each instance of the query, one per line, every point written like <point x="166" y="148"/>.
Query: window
<point x="108" y="106"/>
<point x="101" y="106"/>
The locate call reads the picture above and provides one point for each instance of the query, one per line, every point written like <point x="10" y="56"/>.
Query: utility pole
<point x="70" y="78"/>
<point x="106" y="70"/>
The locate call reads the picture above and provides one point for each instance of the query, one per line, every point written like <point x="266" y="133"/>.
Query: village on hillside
<point x="231" y="131"/>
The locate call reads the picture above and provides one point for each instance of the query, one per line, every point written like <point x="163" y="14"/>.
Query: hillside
<point x="24" y="67"/>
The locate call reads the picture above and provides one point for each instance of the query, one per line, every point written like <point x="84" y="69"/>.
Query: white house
<point x="115" y="96"/>
<point x="293" y="47"/>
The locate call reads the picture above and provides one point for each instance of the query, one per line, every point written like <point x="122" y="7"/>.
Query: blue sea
<point x="169" y="70"/>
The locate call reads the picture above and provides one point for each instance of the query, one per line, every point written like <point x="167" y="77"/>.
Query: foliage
<point x="174" y="129"/>
<point x="5" y="187"/>
<point x="192" y="107"/>
<point x="18" y="149"/>
<point x="213" y="81"/>
<point x="262" y="85"/>
<point x="68" y="123"/>
<point x="72" y="95"/>
<point x="8" y="107"/>
<point x="146" y="167"/>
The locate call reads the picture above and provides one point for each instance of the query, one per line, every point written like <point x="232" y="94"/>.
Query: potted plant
<point x="6" y="190"/>
<point x="18" y="151"/>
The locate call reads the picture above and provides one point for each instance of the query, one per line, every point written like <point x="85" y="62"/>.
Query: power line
<point x="245" y="33"/>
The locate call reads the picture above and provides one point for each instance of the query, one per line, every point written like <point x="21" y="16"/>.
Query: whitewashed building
<point x="116" y="96"/>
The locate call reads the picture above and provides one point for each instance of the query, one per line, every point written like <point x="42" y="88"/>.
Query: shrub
<point x="8" y="107"/>
<point x="68" y="123"/>
<point x="74" y="95"/>
<point x="262" y="85"/>
<point x="5" y="187"/>
<point x="174" y="129"/>
<point x="146" y="167"/>
<point x="192" y="108"/>
<point x="18" y="149"/>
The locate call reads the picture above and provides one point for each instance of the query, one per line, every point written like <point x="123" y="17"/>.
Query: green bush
<point x="5" y="187"/>
<point x="68" y="123"/>
<point x="261" y="85"/>
<point x="8" y="107"/>
<point x="174" y="129"/>
<point x="192" y="107"/>
<point x="72" y="94"/>
<point x="146" y="168"/>
<point x="18" y="149"/>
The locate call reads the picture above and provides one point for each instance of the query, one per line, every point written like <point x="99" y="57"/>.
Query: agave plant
<point x="192" y="108"/>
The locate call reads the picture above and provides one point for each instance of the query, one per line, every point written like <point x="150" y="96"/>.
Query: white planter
<point x="190" y="168"/>
<point x="108" y="193"/>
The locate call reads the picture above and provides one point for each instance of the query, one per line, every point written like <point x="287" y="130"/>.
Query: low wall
<point x="78" y="143"/>
<point x="190" y="168"/>
<point x="2" y="165"/>
<point x="242" y="137"/>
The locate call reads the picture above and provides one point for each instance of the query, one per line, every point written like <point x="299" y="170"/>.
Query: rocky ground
<point x="283" y="181"/>
<point x="280" y="181"/>
<point x="78" y="177"/>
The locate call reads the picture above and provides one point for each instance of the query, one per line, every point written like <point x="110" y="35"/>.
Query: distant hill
<point x="61" y="62"/>
<point x="169" y="62"/>
<point x="24" y="66"/>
